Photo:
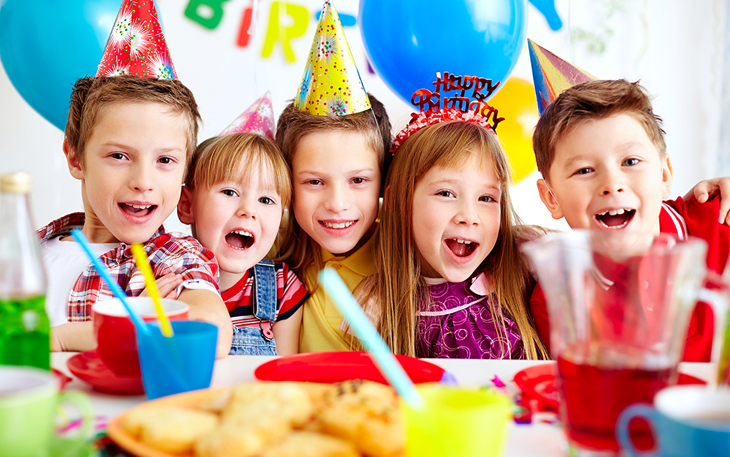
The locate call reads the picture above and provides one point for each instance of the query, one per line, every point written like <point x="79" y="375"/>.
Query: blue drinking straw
<point x="104" y="273"/>
<point x="383" y="357"/>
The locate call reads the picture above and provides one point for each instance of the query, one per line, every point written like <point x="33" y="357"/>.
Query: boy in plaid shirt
<point x="128" y="140"/>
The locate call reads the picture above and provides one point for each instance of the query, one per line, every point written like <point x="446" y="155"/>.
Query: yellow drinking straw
<point x="140" y="258"/>
<point x="723" y="370"/>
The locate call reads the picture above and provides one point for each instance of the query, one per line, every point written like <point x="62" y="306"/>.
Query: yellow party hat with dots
<point x="331" y="84"/>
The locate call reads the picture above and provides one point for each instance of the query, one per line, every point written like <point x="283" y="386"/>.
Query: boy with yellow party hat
<point x="130" y="133"/>
<point x="237" y="187"/>
<point x="334" y="137"/>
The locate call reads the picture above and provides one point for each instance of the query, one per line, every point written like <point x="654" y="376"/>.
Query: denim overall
<point x="253" y="340"/>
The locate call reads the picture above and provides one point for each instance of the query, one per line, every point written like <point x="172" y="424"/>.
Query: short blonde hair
<point x="237" y="157"/>
<point x="91" y="96"/>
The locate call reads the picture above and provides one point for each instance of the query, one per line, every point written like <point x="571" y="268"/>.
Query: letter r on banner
<point x="277" y="31"/>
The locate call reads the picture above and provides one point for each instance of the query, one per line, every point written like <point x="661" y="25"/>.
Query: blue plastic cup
<point x="181" y="363"/>
<point x="686" y="421"/>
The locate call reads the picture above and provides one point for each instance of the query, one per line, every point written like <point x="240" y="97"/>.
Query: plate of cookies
<point x="329" y="367"/>
<point x="266" y="419"/>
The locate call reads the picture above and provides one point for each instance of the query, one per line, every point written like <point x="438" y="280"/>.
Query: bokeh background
<point x="230" y="52"/>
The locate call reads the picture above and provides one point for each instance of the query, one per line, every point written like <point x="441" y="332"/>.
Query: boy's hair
<point x="236" y="157"/>
<point x="296" y="248"/>
<point x="398" y="288"/>
<point x="294" y="125"/>
<point x="92" y="95"/>
<point x="593" y="100"/>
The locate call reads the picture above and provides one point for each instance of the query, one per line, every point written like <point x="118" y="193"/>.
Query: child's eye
<point x="166" y="160"/>
<point x="583" y="171"/>
<point x="445" y="193"/>
<point x="267" y="201"/>
<point x="358" y="180"/>
<point x="229" y="193"/>
<point x="487" y="198"/>
<point x="117" y="155"/>
<point x="314" y="182"/>
<point x="631" y="162"/>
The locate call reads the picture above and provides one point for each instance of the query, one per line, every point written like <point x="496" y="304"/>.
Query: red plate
<point x="88" y="367"/>
<point x="328" y="367"/>
<point x="538" y="382"/>
<point x="62" y="378"/>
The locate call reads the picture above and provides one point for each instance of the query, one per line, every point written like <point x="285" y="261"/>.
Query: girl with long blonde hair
<point x="450" y="280"/>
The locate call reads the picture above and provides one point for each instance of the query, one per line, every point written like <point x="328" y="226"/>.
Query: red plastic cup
<point x="114" y="331"/>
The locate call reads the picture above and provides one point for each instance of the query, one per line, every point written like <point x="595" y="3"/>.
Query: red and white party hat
<point x="136" y="45"/>
<point x="552" y="75"/>
<point x="331" y="84"/>
<point x="258" y="118"/>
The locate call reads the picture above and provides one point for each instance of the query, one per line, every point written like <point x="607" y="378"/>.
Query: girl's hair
<point x="236" y="157"/>
<point x="294" y="246"/>
<point x="398" y="288"/>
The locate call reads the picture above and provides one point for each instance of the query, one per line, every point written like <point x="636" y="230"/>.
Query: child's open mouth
<point x="461" y="247"/>
<point x="240" y="239"/>
<point x="137" y="210"/>
<point x="337" y="225"/>
<point x="615" y="218"/>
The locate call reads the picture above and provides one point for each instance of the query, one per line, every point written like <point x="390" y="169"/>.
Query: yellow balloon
<point x="515" y="102"/>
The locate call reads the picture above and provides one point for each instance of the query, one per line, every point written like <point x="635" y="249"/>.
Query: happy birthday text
<point x="471" y="93"/>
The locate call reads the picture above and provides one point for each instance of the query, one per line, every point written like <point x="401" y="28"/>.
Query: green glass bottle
<point x="24" y="327"/>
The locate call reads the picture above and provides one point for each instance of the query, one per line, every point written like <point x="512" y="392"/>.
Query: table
<point x="524" y="440"/>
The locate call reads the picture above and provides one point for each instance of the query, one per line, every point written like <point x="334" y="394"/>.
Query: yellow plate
<point x="116" y="431"/>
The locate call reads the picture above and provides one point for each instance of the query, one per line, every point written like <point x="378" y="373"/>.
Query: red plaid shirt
<point x="167" y="253"/>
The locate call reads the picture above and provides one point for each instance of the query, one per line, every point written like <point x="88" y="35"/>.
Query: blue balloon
<point x="408" y="41"/>
<point x="46" y="45"/>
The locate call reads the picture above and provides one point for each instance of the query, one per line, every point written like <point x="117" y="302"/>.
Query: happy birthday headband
<point x="468" y="104"/>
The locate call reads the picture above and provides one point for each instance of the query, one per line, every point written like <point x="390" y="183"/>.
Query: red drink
<point x="593" y="397"/>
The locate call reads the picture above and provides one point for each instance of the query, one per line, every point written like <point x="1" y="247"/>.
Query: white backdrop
<point x="674" y="47"/>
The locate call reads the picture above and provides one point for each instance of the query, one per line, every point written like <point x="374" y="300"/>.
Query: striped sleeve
<point x="290" y="291"/>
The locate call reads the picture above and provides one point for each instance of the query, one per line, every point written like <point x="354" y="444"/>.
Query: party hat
<point x="136" y="45"/>
<point x="258" y="118"/>
<point x="331" y="83"/>
<point x="552" y="75"/>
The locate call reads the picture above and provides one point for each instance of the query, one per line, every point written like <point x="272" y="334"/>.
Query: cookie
<point x="316" y="391"/>
<point x="235" y="438"/>
<point x="366" y="413"/>
<point x="283" y="399"/>
<point x="169" y="429"/>
<point x="309" y="444"/>
<point x="216" y="404"/>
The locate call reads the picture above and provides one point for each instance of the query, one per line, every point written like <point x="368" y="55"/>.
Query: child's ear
<point x="547" y="197"/>
<point x="185" y="207"/>
<point x="74" y="166"/>
<point x="667" y="177"/>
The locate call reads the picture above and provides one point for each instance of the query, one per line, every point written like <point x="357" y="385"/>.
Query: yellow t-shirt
<point x="321" y="319"/>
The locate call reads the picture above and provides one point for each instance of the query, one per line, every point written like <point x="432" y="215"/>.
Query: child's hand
<point x="166" y="286"/>
<point x="708" y="188"/>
